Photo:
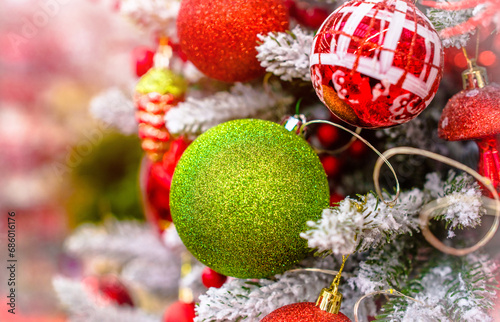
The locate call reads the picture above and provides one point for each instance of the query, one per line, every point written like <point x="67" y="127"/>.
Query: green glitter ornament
<point x="242" y="193"/>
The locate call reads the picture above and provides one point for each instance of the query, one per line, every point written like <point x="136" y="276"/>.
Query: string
<point x="386" y="292"/>
<point x="359" y="137"/>
<point x="336" y="280"/>
<point x="427" y="211"/>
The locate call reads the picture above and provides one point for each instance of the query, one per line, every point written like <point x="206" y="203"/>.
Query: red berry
<point x="327" y="135"/>
<point x="211" y="278"/>
<point x="142" y="57"/>
<point x="335" y="198"/>
<point x="357" y="149"/>
<point x="180" y="312"/>
<point x="331" y="164"/>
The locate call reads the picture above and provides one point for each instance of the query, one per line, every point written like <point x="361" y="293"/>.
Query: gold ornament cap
<point x="475" y="76"/>
<point x="330" y="299"/>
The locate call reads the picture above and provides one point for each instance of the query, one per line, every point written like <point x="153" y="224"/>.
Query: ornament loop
<point x="428" y="210"/>
<point x="390" y="203"/>
<point x="386" y="292"/>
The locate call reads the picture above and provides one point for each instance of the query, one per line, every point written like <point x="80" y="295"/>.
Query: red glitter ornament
<point x="211" y="278"/>
<point x="219" y="36"/>
<point x="108" y="290"/>
<point x="474" y="114"/>
<point x="180" y="312"/>
<point x="155" y="183"/>
<point x="376" y="63"/>
<point x="303" y="312"/>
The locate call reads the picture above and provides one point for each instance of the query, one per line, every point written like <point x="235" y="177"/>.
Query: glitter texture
<point x="241" y="195"/>
<point x="471" y="114"/>
<point x="219" y="36"/>
<point x="303" y="312"/>
<point x="380" y="61"/>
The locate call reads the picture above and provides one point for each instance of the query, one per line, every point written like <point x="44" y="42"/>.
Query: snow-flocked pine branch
<point x="251" y="300"/>
<point x="114" y="241"/>
<point x="454" y="289"/>
<point x="85" y="307"/>
<point x="155" y="15"/>
<point x="358" y="225"/>
<point x="442" y="19"/>
<point x="195" y="116"/>
<point x="114" y="108"/>
<point x="286" y="54"/>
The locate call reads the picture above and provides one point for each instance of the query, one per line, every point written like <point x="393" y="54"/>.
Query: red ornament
<point x="335" y="198"/>
<point x="211" y="278"/>
<point x="312" y="17"/>
<point x="142" y="57"/>
<point x="155" y="94"/>
<point x="474" y="114"/>
<point x="327" y="135"/>
<point x="108" y="290"/>
<point x="377" y="63"/>
<point x="357" y="149"/>
<point x="180" y="312"/>
<point x="303" y="312"/>
<point x="219" y="36"/>
<point x="156" y="178"/>
<point x="331" y="164"/>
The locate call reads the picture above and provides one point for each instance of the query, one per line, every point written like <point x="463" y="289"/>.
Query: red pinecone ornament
<point x="303" y="312"/>
<point x="156" y="93"/>
<point x="376" y="63"/>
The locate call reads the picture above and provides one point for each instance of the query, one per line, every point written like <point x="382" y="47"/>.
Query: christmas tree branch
<point x="195" y="116"/>
<point x="286" y="54"/>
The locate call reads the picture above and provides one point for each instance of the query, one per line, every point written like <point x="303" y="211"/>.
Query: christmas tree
<point x="303" y="161"/>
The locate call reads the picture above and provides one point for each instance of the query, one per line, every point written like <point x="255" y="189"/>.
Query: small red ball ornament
<point x="331" y="164"/>
<point x="303" y="312"/>
<point x="108" y="290"/>
<point x="327" y="135"/>
<point x="180" y="312"/>
<point x="142" y="58"/>
<point x="211" y="278"/>
<point x="219" y="36"/>
<point x="376" y="63"/>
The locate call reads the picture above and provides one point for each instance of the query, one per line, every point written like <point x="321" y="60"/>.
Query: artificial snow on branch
<point x="195" y="116"/>
<point x="251" y="300"/>
<point x="385" y="268"/>
<point x="85" y="307"/>
<point x="465" y="197"/>
<point x="456" y="289"/>
<point x="286" y="54"/>
<point x="442" y="19"/>
<point x="361" y="225"/>
<point x="114" y="108"/>
<point x="156" y="15"/>
<point x="114" y="241"/>
<point x="358" y="225"/>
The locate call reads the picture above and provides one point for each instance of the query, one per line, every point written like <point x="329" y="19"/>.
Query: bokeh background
<point x="58" y="166"/>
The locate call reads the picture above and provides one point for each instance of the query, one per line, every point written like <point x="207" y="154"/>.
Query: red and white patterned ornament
<point x="376" y="63"/>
